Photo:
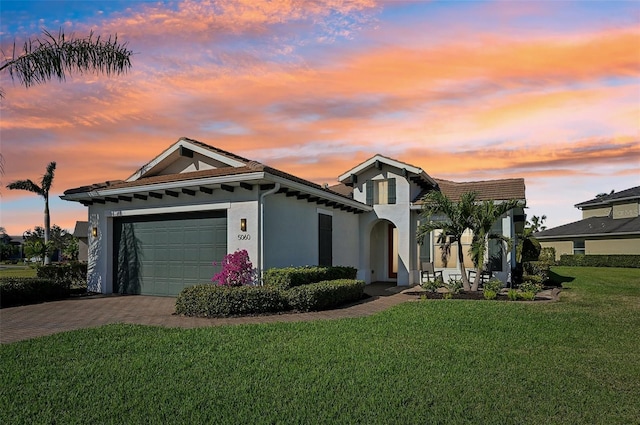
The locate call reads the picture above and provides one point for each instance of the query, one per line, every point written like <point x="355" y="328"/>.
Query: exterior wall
<point x="613" y="246"/>
<point x="291" y="233"/>
<point x="239" y="204"/>
<point x="628" y="210"/>
<point x="561" y="247"/>
<point x="596" y="212"/>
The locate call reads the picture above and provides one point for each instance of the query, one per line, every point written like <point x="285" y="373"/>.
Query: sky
<point x="466" y="90"/>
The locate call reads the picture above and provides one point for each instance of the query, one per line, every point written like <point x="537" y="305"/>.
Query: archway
<point x="383" y="254"/>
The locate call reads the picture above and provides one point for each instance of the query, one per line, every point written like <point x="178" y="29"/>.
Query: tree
<point x="439" y="212"/>
<point x="42" y="190"/>
<point x="60" y="242"/>
<point x="528" y="246"/>
<point x="484" y="217"/>
<point x="50" y="57"/>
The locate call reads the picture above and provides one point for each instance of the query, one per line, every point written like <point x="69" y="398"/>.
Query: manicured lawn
<point x="576" y="361"/>
<point x="18" y="271"/>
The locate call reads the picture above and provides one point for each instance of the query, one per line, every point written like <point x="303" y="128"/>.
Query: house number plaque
<point x="244" y="237"/>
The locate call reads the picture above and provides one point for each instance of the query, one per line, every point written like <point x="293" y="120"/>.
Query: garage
<point x="162" y="254"/>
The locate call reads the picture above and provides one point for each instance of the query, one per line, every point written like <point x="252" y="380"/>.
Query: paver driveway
<point x="25" y="322"/>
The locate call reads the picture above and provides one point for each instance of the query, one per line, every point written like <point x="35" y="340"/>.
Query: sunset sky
<point x="474" y="90"/>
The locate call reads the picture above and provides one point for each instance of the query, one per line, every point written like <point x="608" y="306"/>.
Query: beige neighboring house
<point x="610" y="225"/>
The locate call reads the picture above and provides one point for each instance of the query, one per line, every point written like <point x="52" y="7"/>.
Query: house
<point x="160" y="229"/>
<point x="610" y="225"/>
<point x="81" y="233"/>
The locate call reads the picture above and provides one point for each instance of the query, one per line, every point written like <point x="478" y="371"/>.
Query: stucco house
<point x="610" y="225"/>
<point x="160" y="229"/>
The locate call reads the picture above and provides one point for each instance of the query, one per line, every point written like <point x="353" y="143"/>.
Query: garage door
<point x="162" y="254"/>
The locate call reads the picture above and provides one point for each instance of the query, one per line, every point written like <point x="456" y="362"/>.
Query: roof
<point x="593" y="226"/>
<point x="486" y="190"/>
<point x="81" y="230"/>
<point x="419" y="176"/>
<point x="624" y="195"/>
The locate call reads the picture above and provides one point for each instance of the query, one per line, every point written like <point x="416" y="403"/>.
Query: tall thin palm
<point x="42" y="190"/>
<point x="484" y="217"/>
<point x="454" y="218"/>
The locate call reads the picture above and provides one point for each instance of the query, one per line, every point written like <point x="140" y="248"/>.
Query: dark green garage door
<point x="162" y="254"/>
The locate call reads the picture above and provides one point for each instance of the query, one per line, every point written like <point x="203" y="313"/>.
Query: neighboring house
<point x="81" y="233"/>
<point x="161" y="229"/>
<point x="11" y="247"/>
<point x="610" y="225"/>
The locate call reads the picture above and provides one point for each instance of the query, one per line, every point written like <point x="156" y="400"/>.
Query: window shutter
<point x="369" y="190"/>
<point x="391" y="198"/>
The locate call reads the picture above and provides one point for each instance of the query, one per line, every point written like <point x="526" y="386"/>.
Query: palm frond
<point x="47" y="178"/>
<point x="27" y="185"/>
<point x="53" y="57"/>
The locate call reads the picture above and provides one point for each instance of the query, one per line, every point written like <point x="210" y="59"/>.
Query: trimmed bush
<point x="289" y="277"/>
<point x="209" y="300"/>
<point x="324" y="295"/>
<point x="30" y="290"/>
<point x="70" y="273"/>
<point x="581" y="260"/>
<point x="548" y="255"/>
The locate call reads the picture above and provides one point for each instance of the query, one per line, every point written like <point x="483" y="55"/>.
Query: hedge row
<point x="581" y="260"/>
<point x="289" y="277"/>
<point x="209" y="300"/>
<point x="72" y="273"/>
<point x="30" y="290"/>
<point x="324" y="295"/>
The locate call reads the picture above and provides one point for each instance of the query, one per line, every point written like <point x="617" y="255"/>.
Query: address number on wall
<point x="244" y="237"/>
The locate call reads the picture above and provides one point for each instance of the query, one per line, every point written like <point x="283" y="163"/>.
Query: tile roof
<point x="486" y="190"/>
<point x="593" y="226"/>
<point x="632" y="193"/>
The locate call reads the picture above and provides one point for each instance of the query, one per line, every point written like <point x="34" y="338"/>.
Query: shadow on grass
<point x="557" y="280"/>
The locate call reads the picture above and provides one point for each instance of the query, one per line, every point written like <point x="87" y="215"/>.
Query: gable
<point x="187" y="156"/>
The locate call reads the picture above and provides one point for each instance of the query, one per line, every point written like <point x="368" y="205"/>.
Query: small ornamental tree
<point x="237" y="270"/>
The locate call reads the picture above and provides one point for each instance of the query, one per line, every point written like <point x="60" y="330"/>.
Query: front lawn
<point x="18" y="271"/>
<point x="575" y="361"/>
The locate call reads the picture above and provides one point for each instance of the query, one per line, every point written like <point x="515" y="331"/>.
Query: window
<point x="381" y="192"/>
<point x="578" y="247"/>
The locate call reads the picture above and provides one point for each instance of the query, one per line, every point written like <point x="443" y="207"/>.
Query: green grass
<point x="576" y="361"/>
<point x="18" y="272"/>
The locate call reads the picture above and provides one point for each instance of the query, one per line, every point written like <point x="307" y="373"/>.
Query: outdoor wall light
<point x="243" y="224"/>
<point x="94" y="232"/>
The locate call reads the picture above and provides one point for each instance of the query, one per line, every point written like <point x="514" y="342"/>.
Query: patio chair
<point x="485" y="276"/>
<point x="429" y="274"/>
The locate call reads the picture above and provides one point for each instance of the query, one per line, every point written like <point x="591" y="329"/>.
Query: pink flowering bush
<point x="237" y="270"/>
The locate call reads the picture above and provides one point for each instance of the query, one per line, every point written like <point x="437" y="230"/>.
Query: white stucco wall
<point x="291" y="233"/>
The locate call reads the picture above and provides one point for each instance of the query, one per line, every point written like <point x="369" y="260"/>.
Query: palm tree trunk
<point x="47" y="231"/>
<point x="480" y="267"/>
<point x="463" y="271"/>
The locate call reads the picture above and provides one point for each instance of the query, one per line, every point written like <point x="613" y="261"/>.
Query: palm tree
<point x="439" y="212"/>
<point x="45" y="58"/>
<point x="42" y="190"/>
<point x="484" y="217"/>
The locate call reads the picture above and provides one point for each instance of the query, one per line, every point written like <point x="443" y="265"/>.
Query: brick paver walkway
<point x="25" y="322"/>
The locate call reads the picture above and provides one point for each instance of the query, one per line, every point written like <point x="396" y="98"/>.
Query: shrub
<point x="531" y="287"/>
<point x="289" y="277"/>
<point x="512" y="294"/>
<point x="433" y="285"/>
<point x="73" y="274"/>
<point x="324" y="295"/>
<point x="548" y="255"/>
<point x="454" y="286"/>
<point x="222" y="301"/>
<point x="494" y="284"/>
<point x="527" y="295"/>
<point x="580" y="260"/>
<point x="489" y="294"/>
<point x="30" y="290"/>
<point x="236" y="270"/>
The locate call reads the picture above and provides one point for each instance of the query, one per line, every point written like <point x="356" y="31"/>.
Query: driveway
<point x="31" y="321"/>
